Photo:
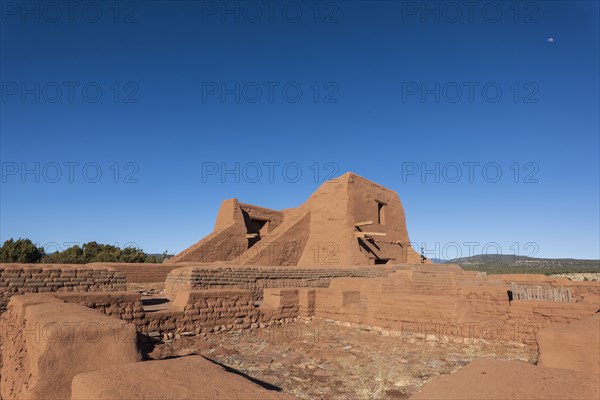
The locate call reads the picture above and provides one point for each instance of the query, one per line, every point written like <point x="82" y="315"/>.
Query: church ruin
<point x="349" y="221"/>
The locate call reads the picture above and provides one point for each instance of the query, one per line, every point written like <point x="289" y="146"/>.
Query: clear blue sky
<point x="160" y="96"/>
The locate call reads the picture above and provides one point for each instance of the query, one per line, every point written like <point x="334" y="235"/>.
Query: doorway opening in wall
<point x="254" y="227"/>
<point x="380" y="212"/>
<point x="381" y="261"/>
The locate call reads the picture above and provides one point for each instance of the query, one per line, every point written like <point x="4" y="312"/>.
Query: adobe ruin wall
<point x="47" y="278"/>
<point x="255" y="279"/>
<point x="453" y="305"/>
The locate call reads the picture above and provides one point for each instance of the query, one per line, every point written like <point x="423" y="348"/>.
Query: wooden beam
<point x="251" y="235"/>
<point x="363" y="223"/>
<point x="368" y="234"/>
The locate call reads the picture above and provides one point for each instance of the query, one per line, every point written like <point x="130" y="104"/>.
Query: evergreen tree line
<point x="25" y="251"/>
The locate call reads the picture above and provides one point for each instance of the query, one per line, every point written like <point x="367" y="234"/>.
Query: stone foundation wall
<point x="218" y="310"/>
<point x="195" y="312"/>
<point x="47" y="278"/>
<point x="122" y="305"/>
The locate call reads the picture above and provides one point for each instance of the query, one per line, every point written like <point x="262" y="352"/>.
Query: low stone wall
<point x="122" y="305"/>
<point x="218" y="310"/>
<point x="195" y="312"/>
<point x="256" y="279"/>
<point x="46" y="278"/>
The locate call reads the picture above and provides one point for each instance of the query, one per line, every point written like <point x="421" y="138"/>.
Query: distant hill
<point x="507" y="264"/>
<point x="438" y="261"/>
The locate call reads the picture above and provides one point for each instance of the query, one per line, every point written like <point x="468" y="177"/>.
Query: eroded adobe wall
<point x="46" y="342"/>
<point x="284" y="246"/>
<point x="280" y="305"/>
<point x="46" y="278"/>
<point x="274" y="217"/>
<point x="200" y="311"/>
<point x="141" y="272"/>
<point x="256" y="279"/>
<point x="363" y="198"/>
<point x="127" y="307"/>
<point x="568" y="367"/>
<point x="122" y="305"/>
<point x="575" y="346"/>
<point x="219" y="310"/>
<point x="451" y="304"/>
<point x="488" y="379"/>
<point x="190" y="377"/>
<point x="228" y="240"/>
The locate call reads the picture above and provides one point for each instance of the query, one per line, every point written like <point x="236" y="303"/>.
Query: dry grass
<point x="350" y="365"/>
<point x="388" y="374"/>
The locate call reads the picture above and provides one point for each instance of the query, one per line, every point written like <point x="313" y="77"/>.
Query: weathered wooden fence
<point x="541" y="293"/>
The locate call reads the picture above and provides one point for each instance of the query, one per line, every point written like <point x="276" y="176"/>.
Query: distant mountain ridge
<point x="521" y="260"/>
<point x="504" y="263"/>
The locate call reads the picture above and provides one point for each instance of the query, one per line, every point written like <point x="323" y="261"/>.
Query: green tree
<point x="72" y="255"/>
<point x="95" y="252"/>
<point x="20" y="251"/>
<point x="25" y="251"/>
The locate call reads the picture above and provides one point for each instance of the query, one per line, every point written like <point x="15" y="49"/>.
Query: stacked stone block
<point x="125" y="306"/>
<point x="46" y="278"/>
<point x="218" y="310"/>
<point x="257" y="279"/>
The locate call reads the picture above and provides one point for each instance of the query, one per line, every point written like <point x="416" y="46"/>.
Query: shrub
<point x="20" y="251"/>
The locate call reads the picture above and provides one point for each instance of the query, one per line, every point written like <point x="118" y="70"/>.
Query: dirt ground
<point x="314" y="359"/>
<point x="146" y="288"/>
